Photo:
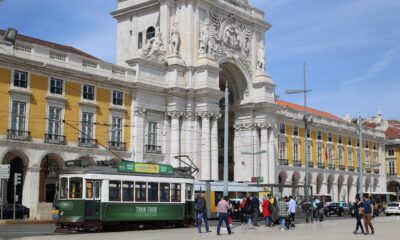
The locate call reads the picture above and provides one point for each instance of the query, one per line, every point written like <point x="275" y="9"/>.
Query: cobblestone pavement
<point x="385" y="228"/>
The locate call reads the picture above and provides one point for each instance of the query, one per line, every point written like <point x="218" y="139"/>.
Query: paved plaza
<point x="386" y="228"/>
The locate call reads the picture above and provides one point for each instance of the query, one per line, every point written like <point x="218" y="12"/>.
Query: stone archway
<point x="340" y="186"/>
<point x="282" y="177"/>
<point x="350" y="192"/>
<point x="367" y="184"/>
<point x="330" y="180"/>
<point x="18" y="161"/>
<point x="320" y="179"/>
<point x="392" y="186"/>
<point x="50" y="166"/>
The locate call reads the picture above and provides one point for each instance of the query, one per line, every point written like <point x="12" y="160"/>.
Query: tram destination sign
<point x="133" y="167"/>
<point x="5" y="171"/>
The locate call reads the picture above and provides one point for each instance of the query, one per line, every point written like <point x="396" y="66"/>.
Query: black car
<point x="337" y="208"/>
<point x="21" y="212"/>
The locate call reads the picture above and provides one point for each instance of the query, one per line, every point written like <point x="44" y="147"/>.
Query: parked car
<point x="393" y="209"/>
<point x="338" y="208"/>
<point x="21" y="212"/>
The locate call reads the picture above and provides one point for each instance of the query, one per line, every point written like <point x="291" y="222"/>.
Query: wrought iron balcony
<point x="350" y="168"/>
<point x="54" y="139"/>
<point x="153" y="149"/>
<point x="310" y="164"/>
<point x="118" y="146"/>
<point x="321" y="165"/>
<point x="87" y="142"/>
<point x="331" y="166"/>
<point x="297" y="163"/>
<point x="342" y="167"/>
<point x="376" y="171"/>
<point x="283" y="162"/>
<point x="18" y="135"/>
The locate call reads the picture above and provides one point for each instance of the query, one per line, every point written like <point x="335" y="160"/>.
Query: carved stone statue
<point x="261" y="58"/>
<point x="174" y="41"/>
<point x="203" y="39"/>
<point x="154" y="47"/>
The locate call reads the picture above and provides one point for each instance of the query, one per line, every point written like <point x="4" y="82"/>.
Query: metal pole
<point x="2" y="198"/>
<point x="305" y="141"/>
<point x="15" y="193"/>
<point x="360" y="161"/>
<point x="226" y="142"/>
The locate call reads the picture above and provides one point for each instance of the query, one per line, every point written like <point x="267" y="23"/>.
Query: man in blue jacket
<point x="201" y="213"/>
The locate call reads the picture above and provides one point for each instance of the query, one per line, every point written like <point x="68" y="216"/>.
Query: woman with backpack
<point x="249" y="211"/>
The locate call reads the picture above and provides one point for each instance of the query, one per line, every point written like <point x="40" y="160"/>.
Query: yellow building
<point x="57" y="104"/>
<point x="393" y="156"/>
<point x="332" y="153"/>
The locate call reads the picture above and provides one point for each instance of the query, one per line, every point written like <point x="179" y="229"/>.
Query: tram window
<point x="140" y="191"/>
<point x="152" y="189"/>
<point x="75" y="188"/>
<point x="127" y="191"/>
<point x="89" y="190"/>
<point x="164" y="192"/>
<point x="64" y="188"/>
<point x="189" y="191"/>
<point x="175" y="192"/>
<point x="97" y="189"/>
<point x="114" y="191"/>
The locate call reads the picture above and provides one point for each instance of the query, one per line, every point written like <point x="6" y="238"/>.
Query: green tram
<point x="133" y="195"/>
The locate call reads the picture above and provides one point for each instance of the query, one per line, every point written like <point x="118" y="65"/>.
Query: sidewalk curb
<point x="4" y="222"/>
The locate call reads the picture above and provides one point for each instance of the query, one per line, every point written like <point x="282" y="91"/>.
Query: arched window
<point x="140" y="40"/>
<point x="150" y="33"/>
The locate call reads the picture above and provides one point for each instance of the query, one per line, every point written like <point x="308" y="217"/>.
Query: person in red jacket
<point x="266" y="205"/>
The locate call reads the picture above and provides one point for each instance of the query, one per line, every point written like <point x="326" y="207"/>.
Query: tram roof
<point x="178" y="173"/>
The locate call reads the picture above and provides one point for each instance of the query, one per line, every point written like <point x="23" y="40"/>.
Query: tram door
<point x="92" y="203"/>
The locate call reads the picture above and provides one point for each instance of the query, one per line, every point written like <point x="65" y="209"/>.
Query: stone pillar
<point x="165" y="18"/>
<point x="272" y="155"/>
<point x="166" y="138"/>
<point x="264" y="152"/>
<point x="138" y="134"/>
<point x="237" y="155"/>
<point x="189" y="135"/>
<point x="175" y="137"/>
<point x="214" y="149"/>
<point x="197" y="144"/>
<point x="206" y="147"/>
<point x="30" y="191"/>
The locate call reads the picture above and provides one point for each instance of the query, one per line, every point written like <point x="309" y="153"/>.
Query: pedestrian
<point x="242" y="211"/>
<point x="256" y="205"/>
<point x="368" y="214"/>
<point x="292" y="210"/>
<point x="223" y="207"/>
<point x="358" y="209"/>
<point x="266" y="211"/>
<point x="282" y="212"/>
<point x="249" y="212"/>
<point x="201" y="211"/>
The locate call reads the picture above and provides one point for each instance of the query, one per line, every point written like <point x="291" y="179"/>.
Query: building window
<point x="56" y="86"/>
<point x="295" y="131"/>
<point x="349" y="141"/>
<point x="358" y="142"/>
<point x="87" y="126"/>
<point x="391" y="152"/>
<point x="20" y="79"/>
<point x="330" y="156"/>
<point x="375" y="160"/>
<point x="118" y="98"/>
<point x="366" y="144"/>
<point x="340" y="139"/>
<point x="309" y="151"/>
<point x="152" y="134"/>
<point x="319" y="153"/>
<point x="392" y="168"/>
<point x="308" y="133"/>
<point x="88" y="92"/>
<point x="282" y="128"/>
<point x="350" y="157"/>
<point x="18" y="116"/>
<point x="282" y="150"/>
<point x="295" y="152"/>
<point x="330" y="137"/>
<point x="319" y="135"/>
<point x="150" y="33"/>
<point x="375" y="146"/>
<point x="367" y="159"/>
<point x="116" y="130"/>
<point x="140" y="40"/>
<point x="54" y="121"/>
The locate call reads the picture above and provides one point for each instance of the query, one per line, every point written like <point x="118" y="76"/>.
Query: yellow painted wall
<point x="5" y="80"/>
<point x="103" y="97"/>
<point x="127" y="133"/>
<point x="72" y="111"/>
<point x="37" y="111"/>
<point x="345" y="152"/>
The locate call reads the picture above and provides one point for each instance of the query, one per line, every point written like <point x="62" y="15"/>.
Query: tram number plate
<point x="146" y="211"/>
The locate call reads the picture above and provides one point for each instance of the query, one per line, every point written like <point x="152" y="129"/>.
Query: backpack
<point x="249" y="208"/>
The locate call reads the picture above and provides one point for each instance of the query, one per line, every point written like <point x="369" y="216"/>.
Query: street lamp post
<point x="360" y="161"/>
<point x="306" y="122"/>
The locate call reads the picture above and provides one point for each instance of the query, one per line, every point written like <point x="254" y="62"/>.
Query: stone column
<point x="272" y="155"/>
<point x="165" y="18"/>
<point x="138" y="134"/>
<point x="237" y="155"/>
<point x="189" y="135"/>
<point x="264" y="152"/>
<point x="175" y="137"/>
<point x="206" y="146"/>
<point x="30" y="191"/>
<point x="166" y="138"/>
<point x="214" y="149"/>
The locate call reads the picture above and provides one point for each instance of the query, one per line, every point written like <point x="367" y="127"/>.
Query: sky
<point x="351" y="47"/>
